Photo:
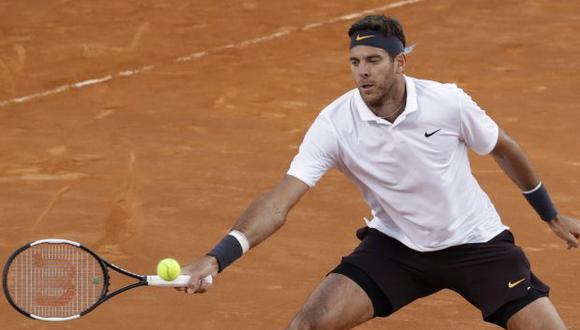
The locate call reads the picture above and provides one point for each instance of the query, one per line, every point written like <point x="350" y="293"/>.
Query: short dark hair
<point x="380" y="23"/>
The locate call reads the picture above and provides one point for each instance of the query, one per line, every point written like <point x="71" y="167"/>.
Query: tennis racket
<point x="61" y="280"/>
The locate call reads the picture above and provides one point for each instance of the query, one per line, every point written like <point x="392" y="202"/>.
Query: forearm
<point x="514" y="162"/>
<point x="512" y="159"/>
<point x="261" y="219"/>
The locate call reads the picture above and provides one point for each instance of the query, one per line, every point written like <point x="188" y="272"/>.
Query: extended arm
<point x="268" y="213"/>
<point x="265" y="215"/>
<point x="514" y="162"/>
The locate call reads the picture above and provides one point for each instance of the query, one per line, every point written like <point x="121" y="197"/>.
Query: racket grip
<point x="180" y="281"/>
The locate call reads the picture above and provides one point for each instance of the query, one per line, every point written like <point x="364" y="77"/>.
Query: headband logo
<point x="359" y="37"/>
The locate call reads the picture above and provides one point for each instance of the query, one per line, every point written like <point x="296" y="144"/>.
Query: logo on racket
<point x="55" y="278"/>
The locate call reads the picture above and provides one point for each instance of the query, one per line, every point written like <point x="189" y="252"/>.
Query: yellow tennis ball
<point x="168" y="269"/>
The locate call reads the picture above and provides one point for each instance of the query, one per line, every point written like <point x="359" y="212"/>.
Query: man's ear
<point x="400" y="63"/>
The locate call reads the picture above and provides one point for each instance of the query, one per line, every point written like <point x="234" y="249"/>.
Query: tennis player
<point x="404" y="143"/>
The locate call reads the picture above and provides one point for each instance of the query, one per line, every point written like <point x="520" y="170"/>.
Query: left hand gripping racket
<point x="61" y="280"/>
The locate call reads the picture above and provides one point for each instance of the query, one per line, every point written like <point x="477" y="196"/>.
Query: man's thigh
<point x="540" y="314"/>
<point x="337" y="303"/>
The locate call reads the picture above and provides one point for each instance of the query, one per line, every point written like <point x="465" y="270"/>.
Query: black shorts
<point x="494" y="276"/>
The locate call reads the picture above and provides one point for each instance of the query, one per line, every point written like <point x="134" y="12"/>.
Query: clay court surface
<point x="199" y="106"/>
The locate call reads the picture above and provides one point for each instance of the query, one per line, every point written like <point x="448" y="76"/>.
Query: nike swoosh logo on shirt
<point x="429" y="134"/>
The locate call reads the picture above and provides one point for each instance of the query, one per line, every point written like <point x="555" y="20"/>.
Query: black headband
<point x="392" y="44"/>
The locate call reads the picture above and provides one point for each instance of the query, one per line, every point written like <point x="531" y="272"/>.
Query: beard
<point x="378" y="94"/>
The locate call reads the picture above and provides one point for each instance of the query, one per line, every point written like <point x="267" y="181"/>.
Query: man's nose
<point x="363" y="70"/>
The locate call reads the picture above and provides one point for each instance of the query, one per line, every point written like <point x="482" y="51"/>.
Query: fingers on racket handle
<point x="180" y="281"/>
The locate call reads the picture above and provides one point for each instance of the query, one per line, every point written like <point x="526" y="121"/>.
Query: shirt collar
<point x="411" y="105"/>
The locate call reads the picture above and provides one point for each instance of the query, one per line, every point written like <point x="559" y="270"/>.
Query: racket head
<point x="54" y="280"/>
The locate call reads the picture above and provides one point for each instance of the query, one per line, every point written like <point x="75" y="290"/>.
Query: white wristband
<point x="533" y="190"/>
<point x="242" y="239"/>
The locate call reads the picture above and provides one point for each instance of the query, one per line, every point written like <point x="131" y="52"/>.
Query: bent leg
<point x="539" y="314"/>
<point x="337" y="303"/>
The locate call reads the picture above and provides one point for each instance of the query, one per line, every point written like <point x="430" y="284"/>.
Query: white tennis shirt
<point x="414" y="173"/>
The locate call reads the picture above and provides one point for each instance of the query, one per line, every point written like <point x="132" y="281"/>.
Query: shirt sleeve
<point x="478" y="130"/>
<point x="317" y="153"/>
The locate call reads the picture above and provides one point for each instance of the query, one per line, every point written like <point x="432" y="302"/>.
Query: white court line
<point x="196" y="55"/>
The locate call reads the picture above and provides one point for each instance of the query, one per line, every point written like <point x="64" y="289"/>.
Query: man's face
<point x="374" y="73"/>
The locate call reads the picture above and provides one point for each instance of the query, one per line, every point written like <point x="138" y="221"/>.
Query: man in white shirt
<point x="403" y="142"/>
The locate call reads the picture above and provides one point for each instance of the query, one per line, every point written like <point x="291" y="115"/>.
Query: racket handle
<point x="180" y="281"/>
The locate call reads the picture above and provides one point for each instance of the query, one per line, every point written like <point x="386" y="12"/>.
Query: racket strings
<point x="55" y="280"/>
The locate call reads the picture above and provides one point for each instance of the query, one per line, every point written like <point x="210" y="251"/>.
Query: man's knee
<point x="307" y="321"/>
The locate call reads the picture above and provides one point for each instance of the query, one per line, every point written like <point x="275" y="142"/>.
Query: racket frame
<point x="105" y="265"/>
<point x="142" y="280"/>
